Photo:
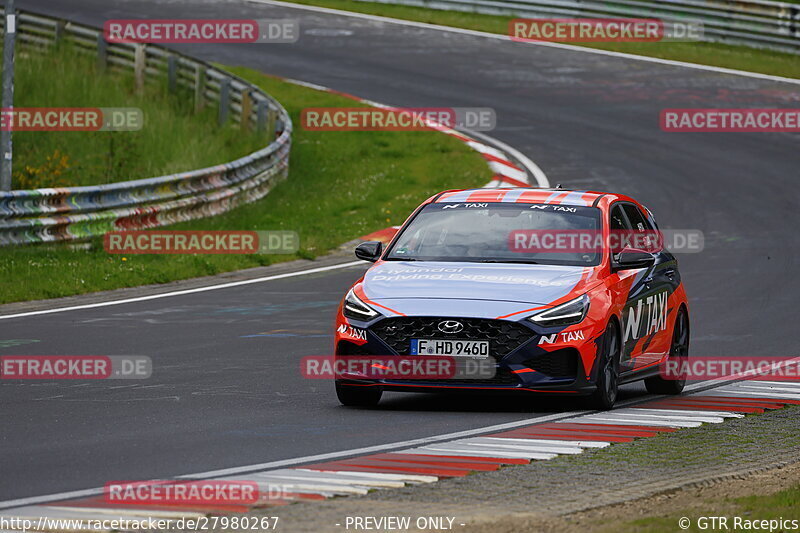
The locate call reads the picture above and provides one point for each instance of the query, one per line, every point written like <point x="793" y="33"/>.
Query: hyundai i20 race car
<point x="530" y="282"/>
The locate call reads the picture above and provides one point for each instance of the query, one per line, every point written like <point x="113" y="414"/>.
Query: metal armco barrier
<point x="79" y="213"/>
<point x="756" y="23"/>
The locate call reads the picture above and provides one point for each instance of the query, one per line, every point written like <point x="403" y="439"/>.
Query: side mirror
<point x="369" y="251"/>
<point x="630" y="258"/>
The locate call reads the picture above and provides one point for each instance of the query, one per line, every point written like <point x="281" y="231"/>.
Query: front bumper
<point x="526" y="357"/>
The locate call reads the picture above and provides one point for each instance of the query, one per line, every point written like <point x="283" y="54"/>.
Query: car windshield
<point x="497" y="232"/>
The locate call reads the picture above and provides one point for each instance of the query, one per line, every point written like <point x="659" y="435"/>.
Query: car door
<point x="645" y="316"/>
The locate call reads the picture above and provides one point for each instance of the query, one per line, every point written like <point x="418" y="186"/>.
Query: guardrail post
<point x="172" y="73"/>
<point x="102" y="52"/>
<point x="261" y="116"/>
<point x="199" y="87"/>
<point x="246" y="111"/>
<point x="272" y="116"/>
<point x="9" y="41"/>
<point x="139" y="66"/>
<point x="224" y="100"/>
<point x="61" y="27"/>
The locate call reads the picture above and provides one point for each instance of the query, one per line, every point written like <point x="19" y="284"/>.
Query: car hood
<point x="496" y="282"/>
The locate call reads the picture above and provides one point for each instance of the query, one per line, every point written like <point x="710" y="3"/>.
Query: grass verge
<point x="719" y="55"/>
<point x="174" y="138"/>
<point x="773" y="512"/>
<point x="341" y="185"/>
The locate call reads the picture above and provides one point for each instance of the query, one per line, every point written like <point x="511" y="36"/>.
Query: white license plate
<point x="455" y="348"/>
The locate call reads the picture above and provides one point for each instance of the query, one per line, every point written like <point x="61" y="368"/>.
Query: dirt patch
<point x="711" y="498"/>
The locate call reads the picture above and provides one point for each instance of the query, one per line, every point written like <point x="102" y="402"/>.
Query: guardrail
<point x="78" y="213"/>
<point x="756" y="23"/>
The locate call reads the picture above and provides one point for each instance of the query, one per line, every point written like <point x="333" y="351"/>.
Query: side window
<point x="635" y="216"/>
<point x="651" y="219"/>
<point x="645" y="236"/>
<point x="618" y="221"/>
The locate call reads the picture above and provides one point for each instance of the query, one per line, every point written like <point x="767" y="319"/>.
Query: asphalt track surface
<point x="226" y="389"/>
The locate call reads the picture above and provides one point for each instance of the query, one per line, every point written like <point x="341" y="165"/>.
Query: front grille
<point x="558" y="364"/>
<point x="503" y="336"/>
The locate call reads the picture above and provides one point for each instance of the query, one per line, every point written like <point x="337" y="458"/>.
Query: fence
<point x="756" y="23"/>
<point x="77" y="213"/>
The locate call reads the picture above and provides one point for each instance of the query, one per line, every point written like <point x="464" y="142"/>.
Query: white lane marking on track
<point x="411" y="478"/>
<point x="531" y="443"/>
<point x="770" y="388"/>
<point x="293" y="474"/>
<point x="186" y="291"/>
<point x="579" y="443"/>
<point x="756" y="392"/>
<point x="306" y="487"/>
<point x="508" y="171"/>
<point x="744" y="393"/>
<point x="497" y="451"/>
<point x="758" y="383"/>
<point x="498" y="36"/>
<point x="414" y="478"/>
<point x="484" y="149"/>
<point x="777" y="383"/>
<point x="521" y="444"/>
<point x="463" y="451"/>
<point x="525" y="161"/>
<point x="637" y="413"/>
<point x="268" y="483"/>
<point x="723" y="414"/>
<point x="629" y="421"/>
<point x="398" y="446"/>
<point x="321" y="457"/>
<point x="307" y="459"/>
<point x="536" y="171"/>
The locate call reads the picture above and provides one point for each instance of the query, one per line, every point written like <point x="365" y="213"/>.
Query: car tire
<point x="678" y="350"/>
<point x="358" y="396"/>
<point x="605" y="395"/>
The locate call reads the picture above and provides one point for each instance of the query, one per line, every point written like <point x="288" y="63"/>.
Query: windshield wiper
<point x="516" y="261"/>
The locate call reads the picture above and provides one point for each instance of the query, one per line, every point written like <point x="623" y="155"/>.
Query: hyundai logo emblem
<point x="450" y="326"/>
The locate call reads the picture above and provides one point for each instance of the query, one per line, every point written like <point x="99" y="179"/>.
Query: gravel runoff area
<point x="567" y="493"/>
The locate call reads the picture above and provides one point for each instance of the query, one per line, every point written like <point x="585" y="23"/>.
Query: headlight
<point x="355" y="308"/>
<point x="565" y="314"/>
